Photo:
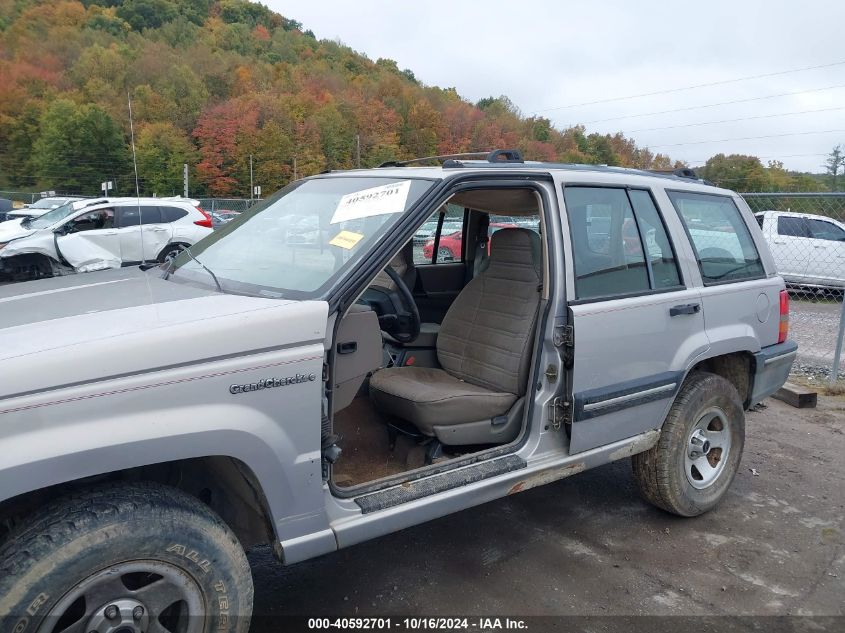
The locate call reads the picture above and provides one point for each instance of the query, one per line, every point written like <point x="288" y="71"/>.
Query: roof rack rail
<point x="496" y="156"/>
<point x="680" y="172"/>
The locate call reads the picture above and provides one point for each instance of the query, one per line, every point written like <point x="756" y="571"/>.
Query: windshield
<point x="46" y="203"/>
<point x="303" y="239"/>
<point x="51" y="217"/>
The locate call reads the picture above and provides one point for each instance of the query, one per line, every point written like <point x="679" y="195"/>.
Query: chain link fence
<point x="804" y="231"/>
<point x="806" y="234"/>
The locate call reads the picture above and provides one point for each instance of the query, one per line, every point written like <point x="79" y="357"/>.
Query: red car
<point x="450" y="245"/>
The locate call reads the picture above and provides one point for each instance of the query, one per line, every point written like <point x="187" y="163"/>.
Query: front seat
<point x="484" y="348"/>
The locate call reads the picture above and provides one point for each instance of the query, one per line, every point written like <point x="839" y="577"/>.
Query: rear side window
<point x="792" y="226"/>
<point x="722" y="242"/>
<point x="171" y="214"/>
<point x="653" y="232"/>
<point x="129" y="216"/>
<point x="620" y="245"/>
<point x="824" y="230"/>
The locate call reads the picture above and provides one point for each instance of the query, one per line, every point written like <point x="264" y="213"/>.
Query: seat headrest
<point x="509" y="247"/>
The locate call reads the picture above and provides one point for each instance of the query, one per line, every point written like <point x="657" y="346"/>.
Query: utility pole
<point x="294" y="167"/>
<point x="250" y="178"/>
<point x="185" y="179"/>
<point x="358" y="150"/>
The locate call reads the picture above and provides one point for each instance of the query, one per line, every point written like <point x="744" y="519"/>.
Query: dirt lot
<point x="589" y="546"/>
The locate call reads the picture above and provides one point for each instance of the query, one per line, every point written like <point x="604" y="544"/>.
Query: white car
<point x="40" y="207"/>
<point x="809" y="250"/>
<point x="87" y="235"/>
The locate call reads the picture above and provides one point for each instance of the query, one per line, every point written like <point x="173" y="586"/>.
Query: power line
<point x="704" y="85"/>
<point x="748" y="118"/>
<point x="747" y="138"/>
<point x="779" y="156"/>
<point x="713" y="105"/>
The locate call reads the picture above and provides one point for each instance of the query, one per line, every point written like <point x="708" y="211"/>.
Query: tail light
<point x="783" y="329"/>
<point x="206" y="221"/>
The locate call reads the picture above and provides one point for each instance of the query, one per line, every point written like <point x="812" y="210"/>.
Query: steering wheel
<point x="407" y="322"/>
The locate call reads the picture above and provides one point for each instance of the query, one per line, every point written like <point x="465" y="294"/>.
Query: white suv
<point x="809" y="250"/>
<point x="87" y="235"/>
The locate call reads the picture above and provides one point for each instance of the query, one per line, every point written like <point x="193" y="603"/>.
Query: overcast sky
<point x="550" y="57"/>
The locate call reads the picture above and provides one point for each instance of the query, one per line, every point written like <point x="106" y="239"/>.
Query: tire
<point x="124" y="546"/>
<point x="445" y="254"/>
<point x="667" y="475"/>
<point x="170" y="251"/>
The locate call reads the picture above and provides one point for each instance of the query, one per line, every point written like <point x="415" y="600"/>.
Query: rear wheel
<point x="126" y="559"/>
<point x="170" y="251"/>
<point x="697" y="456"/>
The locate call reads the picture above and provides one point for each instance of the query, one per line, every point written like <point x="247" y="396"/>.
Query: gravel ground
<point x="588" y="545"/>
<point x="814" y="326"/>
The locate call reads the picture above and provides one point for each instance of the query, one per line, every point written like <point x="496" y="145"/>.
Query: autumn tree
<point x="162" y="151"/>
<point x="78" y="148"/>
<point x="736" y="171"/>
<point x="834" y="163"/>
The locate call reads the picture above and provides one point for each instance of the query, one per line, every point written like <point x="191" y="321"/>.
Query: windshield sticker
<point x="369" y="202"/>
<point x="346" y="239"/>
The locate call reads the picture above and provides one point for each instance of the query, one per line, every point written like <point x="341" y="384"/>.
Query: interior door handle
<point x="687" y="308"/>
<point x="347" y="348"/>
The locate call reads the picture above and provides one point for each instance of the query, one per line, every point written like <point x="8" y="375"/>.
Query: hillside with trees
<point x="218" y="84"/>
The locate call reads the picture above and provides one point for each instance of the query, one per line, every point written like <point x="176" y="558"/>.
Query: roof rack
<point x="496" y="156"/>
<point x="680" y="172"/>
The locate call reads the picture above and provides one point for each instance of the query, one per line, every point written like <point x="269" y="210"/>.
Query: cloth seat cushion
<point x="425" y="396"/>
<point x="484" y="345"/>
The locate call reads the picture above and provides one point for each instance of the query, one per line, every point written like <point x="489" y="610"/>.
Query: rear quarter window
<point x="721" y="239"/>
<point x="171" y="214"/>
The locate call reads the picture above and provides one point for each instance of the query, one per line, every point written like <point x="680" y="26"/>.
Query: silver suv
<point x="312" y="394"/>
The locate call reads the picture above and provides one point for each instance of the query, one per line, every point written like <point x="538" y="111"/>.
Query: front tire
<point x="445" y="254"/>
<point x="141" y="557"/>
<point x="692" y="465"/>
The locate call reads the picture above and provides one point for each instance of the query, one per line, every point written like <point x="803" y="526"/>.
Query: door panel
<point x="437" y="287"/>
<point x="827" y="263"/>
<point x="788" y="241"/>
<point x="91" y="250"/>
<point x="637" y="328"/>
<point x="143" y="243"/>
<point x="142" y="238"/>
<point x="630" y="356"/>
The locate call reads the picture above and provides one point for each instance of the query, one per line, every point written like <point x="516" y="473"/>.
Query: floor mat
<point x="366" y="451"/>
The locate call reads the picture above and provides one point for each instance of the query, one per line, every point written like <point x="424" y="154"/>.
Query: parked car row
<point x="94" y="234"/>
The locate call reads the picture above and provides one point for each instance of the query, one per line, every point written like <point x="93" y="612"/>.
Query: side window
<point x="171" y="214"/>
<point x="498" y="222"/>
<point x="451" y="238"/>
<point x="620" y="243"/>
<point x="720" y="237"/>
<point x="824" y="230"/>
<point x="92" y="221"/>
<point x="760" y="219"/>
<point x="607" y="249"/>
<point x="129" y="216"/>
<point x="792" y="226"/>
<point x="657" y="245"/>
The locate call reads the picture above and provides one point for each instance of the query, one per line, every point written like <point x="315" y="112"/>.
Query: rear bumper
<point x="770" y="369"/>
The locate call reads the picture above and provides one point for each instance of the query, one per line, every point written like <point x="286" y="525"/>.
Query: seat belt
<point x="482" y="239"/>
